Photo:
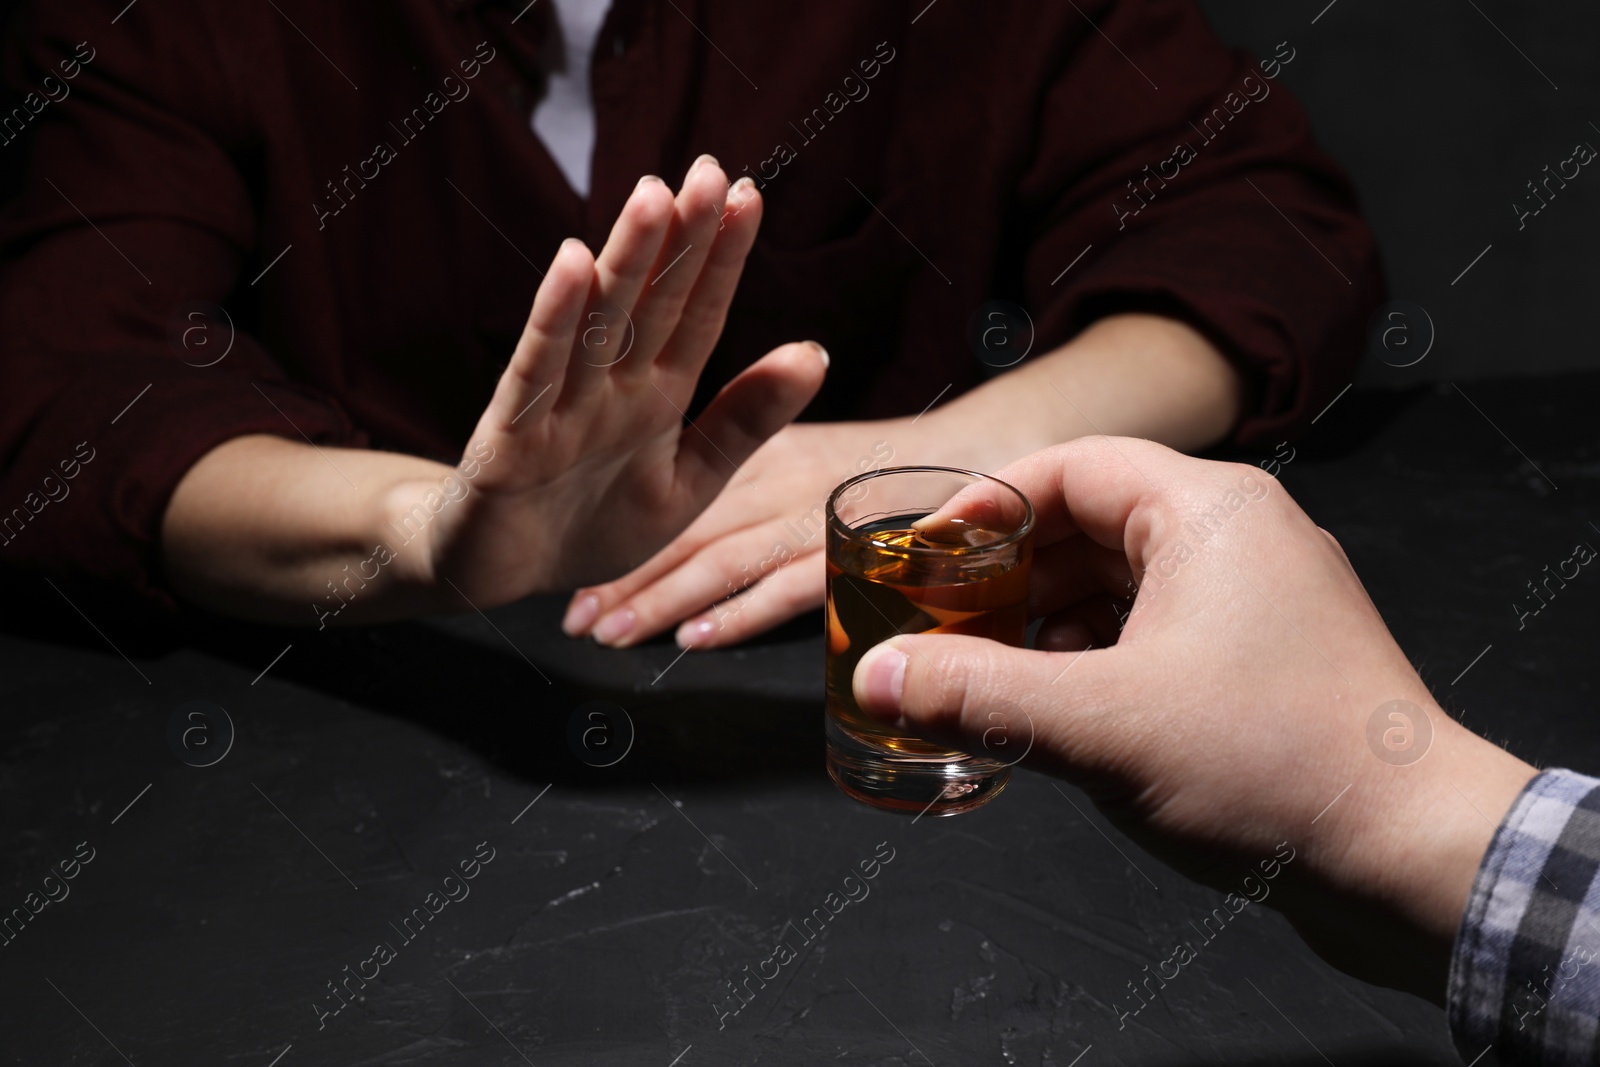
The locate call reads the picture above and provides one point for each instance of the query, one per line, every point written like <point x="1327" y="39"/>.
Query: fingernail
<point x="580" y="615"/>
<point x="695" y="633"/>
<point x="702" y="161"/>
<point x="822" y="353"/>
<point x="742" y="191"/>
<point x="615" y="626"/>
<point x="648" y="178"/>
<point x="880" y="682"/>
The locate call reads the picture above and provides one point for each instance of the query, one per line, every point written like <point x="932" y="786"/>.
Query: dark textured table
<point x="609" y="909"/>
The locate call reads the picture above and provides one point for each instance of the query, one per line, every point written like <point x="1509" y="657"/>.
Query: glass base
<point x="917" y="778"/>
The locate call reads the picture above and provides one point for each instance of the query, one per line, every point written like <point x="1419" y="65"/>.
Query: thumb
<point x="988" y="698"/>
<point x="764" y="398"/>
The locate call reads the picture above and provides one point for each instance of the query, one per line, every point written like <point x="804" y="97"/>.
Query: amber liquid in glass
<point x="875" y="594"/>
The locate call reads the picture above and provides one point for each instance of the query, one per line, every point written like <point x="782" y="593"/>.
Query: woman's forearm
<point x="279" y="531"/>
<point x="1126" y="375"/>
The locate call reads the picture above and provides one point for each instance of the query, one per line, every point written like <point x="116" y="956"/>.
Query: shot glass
<point x="901" y="562"/>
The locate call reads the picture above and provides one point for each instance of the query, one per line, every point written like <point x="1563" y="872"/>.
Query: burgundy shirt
<point x="355" y="186"/>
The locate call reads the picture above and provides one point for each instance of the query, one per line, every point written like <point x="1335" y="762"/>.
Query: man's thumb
<point x="992" y="697"/>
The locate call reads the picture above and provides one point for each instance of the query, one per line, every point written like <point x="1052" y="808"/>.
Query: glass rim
<point x="1014" y="537"/>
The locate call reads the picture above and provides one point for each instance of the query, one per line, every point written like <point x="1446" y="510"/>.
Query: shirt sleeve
<point x="1525" y="977"/>
<point x="132" y="213"/>
<point x="1193" y="188"/>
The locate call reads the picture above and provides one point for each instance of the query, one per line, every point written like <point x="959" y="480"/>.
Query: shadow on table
<point x="487" y="697"/>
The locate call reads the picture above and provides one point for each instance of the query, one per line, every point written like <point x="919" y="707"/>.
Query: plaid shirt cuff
<point x="1525" y="977"/>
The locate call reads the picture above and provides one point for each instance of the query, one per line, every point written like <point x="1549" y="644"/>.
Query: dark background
<point x="1442" y="122"/>
<point x="206" y="927"/>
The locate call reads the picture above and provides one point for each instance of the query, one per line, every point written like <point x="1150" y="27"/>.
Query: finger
<point x="723" y="567"/>
<point x="1090" y="485"/>
<point x="1093" y="623"/>
<point x="623" y="265"/>
<point x="622" y="270"/>
<point x="689" y="240"/>
<point x="606" y="334"/>
<point x="589" y="603"/>
<point x="945" y="686"/>
<point x="706" y="309"/>
<point x="791" y="590"/>
<point x="539" y="363"/>
<point x="1127" y="494"/>
<point x="1073" y="570"/>
<point x="763" y="399"/>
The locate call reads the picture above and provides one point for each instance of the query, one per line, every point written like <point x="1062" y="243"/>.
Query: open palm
<point x="586" y="465"/>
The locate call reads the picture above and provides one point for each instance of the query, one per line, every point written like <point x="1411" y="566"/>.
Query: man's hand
<point x="1246" y="702"/>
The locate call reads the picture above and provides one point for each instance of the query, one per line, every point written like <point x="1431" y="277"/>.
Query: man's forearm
<point x="275" y="530"/>
<point x="1127" y="375"/>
